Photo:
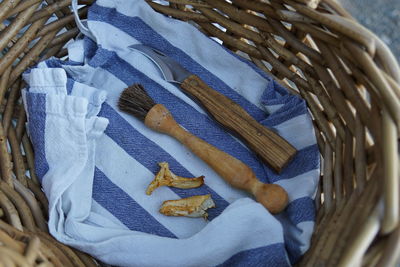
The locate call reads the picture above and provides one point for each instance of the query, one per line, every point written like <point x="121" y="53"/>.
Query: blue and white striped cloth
<point x="96" y="182"/>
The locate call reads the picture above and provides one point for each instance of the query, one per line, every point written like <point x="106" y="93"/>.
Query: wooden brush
<point x="134" y="100"/>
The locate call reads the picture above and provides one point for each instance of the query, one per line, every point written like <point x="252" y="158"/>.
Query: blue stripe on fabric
<point x="292" y="106"/>
<point x="288" y="112"/>
<point x="301" y="210"/>
<point x="57" y="63"/>
<point x="148" y="153"/>
<point x="276" y="94"/>
<point x="73" y="62"/>
<point x="70" y="85"/>
<point x="298" y="211"/>
<point x="293" y="249"/>
<point x="272" y="256"/>
<point x="36" y="103"/>
<point x="306" y="159"/>
<point x="197" y="123"/>
<point x="142" y="32"/>
<point x="129" y="212"/>
<point x="90" y="48"/>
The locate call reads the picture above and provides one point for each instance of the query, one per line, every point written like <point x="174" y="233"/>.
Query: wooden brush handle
<point x="273" y="149"/>
<point x="235" y="172"/>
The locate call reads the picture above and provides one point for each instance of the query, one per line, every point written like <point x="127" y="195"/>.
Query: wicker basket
<point x="348" y="77"/>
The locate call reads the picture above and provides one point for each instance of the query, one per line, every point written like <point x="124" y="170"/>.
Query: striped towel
<point x="95" y="162"/>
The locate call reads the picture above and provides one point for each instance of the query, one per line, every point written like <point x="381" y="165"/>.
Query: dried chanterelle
<point x="195" y="206"/>
<point x="167" y="178"/>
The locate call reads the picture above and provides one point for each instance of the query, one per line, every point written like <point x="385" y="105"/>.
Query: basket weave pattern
<point x="346" y="74"/>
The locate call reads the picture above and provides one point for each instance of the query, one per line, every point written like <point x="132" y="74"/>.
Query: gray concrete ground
<point x="380" y="16"/>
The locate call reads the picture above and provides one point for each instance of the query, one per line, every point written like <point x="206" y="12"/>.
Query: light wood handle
<point x="272" y="148"/>
<point x="235" y="172"/>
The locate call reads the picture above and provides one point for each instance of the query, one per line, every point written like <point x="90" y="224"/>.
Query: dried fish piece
<point x="195" y="206"/>
<point x="167" y="178"/>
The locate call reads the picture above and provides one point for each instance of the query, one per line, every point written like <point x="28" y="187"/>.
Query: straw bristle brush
<point x="134" y="100"/>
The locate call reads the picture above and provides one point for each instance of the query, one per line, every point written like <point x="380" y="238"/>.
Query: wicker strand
<point x="5" y="160"/>
<point x="21" y="44"/>
<point x="13" y="257"/>
<point x="391" y="252"/>
<point x="6" y="6"/>
<point x="391" y="174"/>
<point x="353" y="255"/>
<point x="17" y="24"/>
<point x="30" y="158"/>
<point x="39" y="195"/>
<point x="179" y="14"/>
<point x="360" y="160"/>
<point x="327" y="179"/>
<point x="388" y="96"/>
<point x="10" y="211"/>
<point x="59" y="24"/>
<point x="61" y="12"/>
<point x="373" y="255"/>
<point x="31" y="56"/>
<point x="21" y="206"/>
<point x="56" y="249"/>
<point x="32" y="250"/>
<point x="6" y="240"/>
<point x="338" y="171"/>
<point x="20" y="7"/>
<point x="240" y="16"/>
<point x="21" y="120"/>
<point x="33" y="205"/>
<point x="66" y="251"/>
<point x="19" y="166"/>
<point x="64" y="37"/>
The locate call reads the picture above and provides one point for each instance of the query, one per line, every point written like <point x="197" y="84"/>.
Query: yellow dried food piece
<point x="167" y="178"/>
<point x="195" y="206"/>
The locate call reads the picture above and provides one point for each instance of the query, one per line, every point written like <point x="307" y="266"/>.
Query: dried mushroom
<point x="167" y="178"/>
<point x="195" y="206"/>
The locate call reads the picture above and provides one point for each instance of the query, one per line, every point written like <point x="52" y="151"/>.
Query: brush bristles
<point x="135" y="101"/>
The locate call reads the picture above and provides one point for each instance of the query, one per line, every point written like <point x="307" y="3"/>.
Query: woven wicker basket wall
<point x="349" y="78"/>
